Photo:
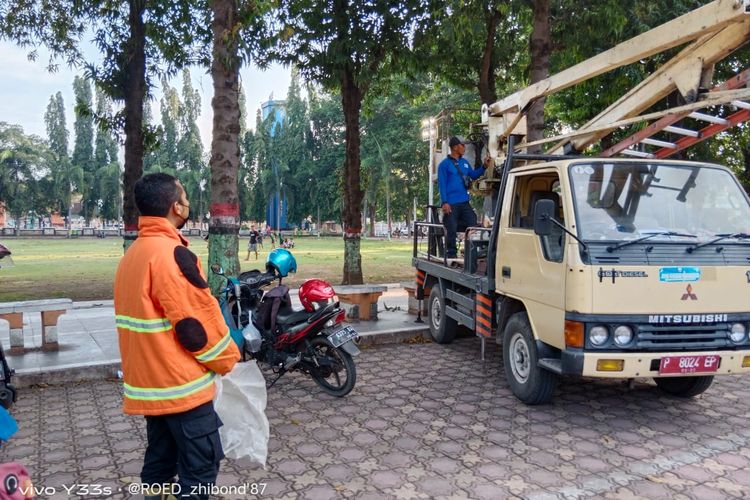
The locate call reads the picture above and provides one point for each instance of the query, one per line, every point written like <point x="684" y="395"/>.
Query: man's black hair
<point x="155" y="193"/>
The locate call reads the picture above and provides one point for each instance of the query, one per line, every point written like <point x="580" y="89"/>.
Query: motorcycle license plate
<point x="689" y="364"/>
<point x="342" y="336"/>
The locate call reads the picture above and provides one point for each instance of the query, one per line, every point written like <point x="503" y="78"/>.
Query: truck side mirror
<point x="544" y="211"/>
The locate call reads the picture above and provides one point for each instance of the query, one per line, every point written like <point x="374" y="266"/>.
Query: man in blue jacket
<point x="454" y="176"/>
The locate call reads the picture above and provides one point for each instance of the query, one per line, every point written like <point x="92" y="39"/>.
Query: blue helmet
<point x="282" y="261"/>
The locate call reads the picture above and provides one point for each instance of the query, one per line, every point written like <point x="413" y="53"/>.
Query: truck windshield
<point x="625" y="201"/>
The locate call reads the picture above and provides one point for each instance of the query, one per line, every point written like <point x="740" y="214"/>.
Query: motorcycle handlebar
<point x="260" y="280"/>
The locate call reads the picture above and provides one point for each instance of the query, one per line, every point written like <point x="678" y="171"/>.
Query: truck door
<point x="530" y="267"/>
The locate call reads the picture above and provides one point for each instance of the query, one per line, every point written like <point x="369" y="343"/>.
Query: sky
<point x="26" y="86"/>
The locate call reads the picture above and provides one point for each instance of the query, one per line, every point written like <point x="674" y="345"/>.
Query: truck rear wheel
<point x="684" y="387"/>
<point x="442" y="328"/>
<point x="528" y="381"/>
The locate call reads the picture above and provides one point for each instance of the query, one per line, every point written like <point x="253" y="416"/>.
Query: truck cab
<point x="604" y="267"/>
<point x="614" y="268"/>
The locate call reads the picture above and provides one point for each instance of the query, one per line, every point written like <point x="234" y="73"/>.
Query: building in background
<point x="276" y="211"/>
<point x="275" y="108"/>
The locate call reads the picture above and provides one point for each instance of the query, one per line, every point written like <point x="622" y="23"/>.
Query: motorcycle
<point x="8" y="392"/>
<point x="264" y="325"/>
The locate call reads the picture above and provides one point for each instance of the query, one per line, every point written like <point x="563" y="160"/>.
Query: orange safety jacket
<point x="173" y="338"/>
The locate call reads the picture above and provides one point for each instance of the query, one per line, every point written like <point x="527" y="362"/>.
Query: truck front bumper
<point x="646" y="364"/>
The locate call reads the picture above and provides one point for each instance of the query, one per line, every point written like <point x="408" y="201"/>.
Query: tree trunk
<point x="388" y="201"/>
<point x="70" y="202"/>
<point x="373" y="214"/>
<point x="351" y="98"/>
<point x="365" y="213"/>
<point x="487" y="90"/>
<point x="134" y="85"/>
<point x="223" y="230"/>
<point x="541" y="44"/>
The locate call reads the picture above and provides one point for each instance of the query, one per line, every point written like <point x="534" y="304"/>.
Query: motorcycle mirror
<point x="217" y="269"/>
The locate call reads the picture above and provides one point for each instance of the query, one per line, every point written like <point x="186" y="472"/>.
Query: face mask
<point x="184" y="219"/>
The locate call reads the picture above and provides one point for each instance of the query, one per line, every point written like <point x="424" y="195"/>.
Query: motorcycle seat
<point x="291" y="316"/>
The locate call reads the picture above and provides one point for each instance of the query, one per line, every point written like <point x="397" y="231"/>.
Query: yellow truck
<point x="637" y="266"/>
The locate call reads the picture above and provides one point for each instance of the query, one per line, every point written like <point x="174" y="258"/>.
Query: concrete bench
<point x="360" y="301"/>
<point x="411" y="292"/>
<point x="50" y="309"/>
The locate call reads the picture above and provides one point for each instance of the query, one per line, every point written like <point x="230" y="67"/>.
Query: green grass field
<point x="83" y="268"/>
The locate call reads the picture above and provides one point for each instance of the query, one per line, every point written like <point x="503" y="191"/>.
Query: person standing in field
<point x="252" y="244"/>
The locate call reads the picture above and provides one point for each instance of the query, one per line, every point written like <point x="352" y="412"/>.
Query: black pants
<point x="184" y="444"/>
<point x="461" y="217"/>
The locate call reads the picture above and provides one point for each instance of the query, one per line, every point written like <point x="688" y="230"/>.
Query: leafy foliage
<point x="138" y="40"/>
<point x="23" y="161"/>
<point x="54" y="120"/>
<point x="326" y="156"/>
<point x="581" y="32"/>
<point x="393" y="152"/>
<point x="344" y="44"/>
<point x="107" y="185"/>
<point x="65" y="175"/>
<point x="192" y="168"/>
<point x="475" y="44"/>
<point x="83" y="148"/>
<point x="354" y="136"/>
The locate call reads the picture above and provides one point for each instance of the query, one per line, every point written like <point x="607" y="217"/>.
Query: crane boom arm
<point x="684" y="73"/>
<point x="706" y="20"/>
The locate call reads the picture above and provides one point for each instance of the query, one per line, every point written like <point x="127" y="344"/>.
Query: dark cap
<point x="456" y="140"/>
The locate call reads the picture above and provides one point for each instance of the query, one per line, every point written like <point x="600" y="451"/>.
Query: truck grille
<point x="683" y="337"/>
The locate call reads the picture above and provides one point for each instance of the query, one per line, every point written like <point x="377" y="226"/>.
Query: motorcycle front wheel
<point x="334" y="372"/>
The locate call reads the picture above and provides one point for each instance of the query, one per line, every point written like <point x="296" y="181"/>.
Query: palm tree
<point x="193" y="180"/>
<point x="109" y="186"/>
<point x="67" y="178"/>
<point x="225" y="152"/>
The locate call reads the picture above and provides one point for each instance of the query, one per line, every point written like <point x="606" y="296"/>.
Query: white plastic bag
<point x="241" y="404"/>
<point x="252" y="337"/>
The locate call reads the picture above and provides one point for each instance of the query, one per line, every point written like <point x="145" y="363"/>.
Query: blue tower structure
<point x="275" y="108"/>
<point x="272" y="211"/>
<point x="277" y="208"/>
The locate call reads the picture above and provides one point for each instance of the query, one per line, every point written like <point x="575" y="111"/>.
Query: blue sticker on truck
<point x="679" y="274"/>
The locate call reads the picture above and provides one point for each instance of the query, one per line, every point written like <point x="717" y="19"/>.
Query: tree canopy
<point x="365" y="74"/>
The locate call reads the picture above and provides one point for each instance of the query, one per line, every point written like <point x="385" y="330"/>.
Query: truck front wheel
<point x="529" y="382"/>
<point x="442" y="328"/>
<point x="684" y="387"/>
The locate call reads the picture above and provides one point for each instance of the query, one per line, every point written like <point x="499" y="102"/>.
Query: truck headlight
<point x="737" y="332"/>
<point x="623" y="335"/>
<point x="598" y="335"/>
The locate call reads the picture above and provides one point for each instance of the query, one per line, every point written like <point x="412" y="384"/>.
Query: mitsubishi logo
<point x="689" y="294"/>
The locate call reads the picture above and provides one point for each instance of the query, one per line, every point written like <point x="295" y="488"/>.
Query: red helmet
<point x="315" y="290"/>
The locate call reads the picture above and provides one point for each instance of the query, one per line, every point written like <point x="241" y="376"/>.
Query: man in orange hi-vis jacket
<point x="173" y="342"/>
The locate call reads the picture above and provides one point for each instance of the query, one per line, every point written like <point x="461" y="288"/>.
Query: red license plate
<point x="689" y="364"/>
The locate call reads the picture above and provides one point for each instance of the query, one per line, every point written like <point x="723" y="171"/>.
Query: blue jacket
<point x="451" y="185"/>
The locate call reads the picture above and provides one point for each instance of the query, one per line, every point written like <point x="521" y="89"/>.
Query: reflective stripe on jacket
<point x="173" y="338"/>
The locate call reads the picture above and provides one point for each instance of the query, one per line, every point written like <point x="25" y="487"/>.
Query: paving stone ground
<point x="425" y="421"/>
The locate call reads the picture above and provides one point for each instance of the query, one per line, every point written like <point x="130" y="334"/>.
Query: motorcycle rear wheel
<point x="334" y="362"/>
